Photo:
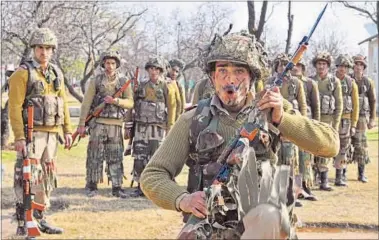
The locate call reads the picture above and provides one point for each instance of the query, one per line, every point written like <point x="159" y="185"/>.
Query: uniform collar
<point x="319" y="79"/>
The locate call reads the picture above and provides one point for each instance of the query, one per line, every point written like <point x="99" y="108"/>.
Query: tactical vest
<point x="48" y="109"/>
<point x="347" y="89"/>
<point x="206" y="90"/>
<point x="293" y="91"/>
<point x="327" y="100"/>
<point x="363" y="88"/>
<point x="205" y="142"/>
<point x="308" y="88"/>
<point x="150" y="102"/>
<point x="110" y="110"/>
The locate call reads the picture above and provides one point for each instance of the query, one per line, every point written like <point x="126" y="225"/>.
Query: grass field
<point x="106" y="217"/>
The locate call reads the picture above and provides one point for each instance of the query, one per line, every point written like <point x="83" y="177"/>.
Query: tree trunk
<point x="251" y="22"/>
<point x="262" y="20"/>
<point x="4" y="127"/>
<point x="290" y="28"/>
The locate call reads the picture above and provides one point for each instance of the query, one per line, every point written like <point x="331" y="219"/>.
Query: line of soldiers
<point x="345" y="101"/>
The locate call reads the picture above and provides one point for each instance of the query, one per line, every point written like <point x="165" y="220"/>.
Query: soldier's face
<point x="322" y="68"/>
<point x="341" y="70"/>
<point x="110" y="65"/>
<point x="281" y="66"/>
<point x="231" y="82"/>
<point x="359" y="68"/>
<point x="153" y="73"/>
<point x="43" y="53"/>
<point x="174" y="73"/>
<point x="297" y="70"/>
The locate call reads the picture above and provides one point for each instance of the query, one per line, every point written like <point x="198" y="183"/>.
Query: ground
<point x="106" y="217"/>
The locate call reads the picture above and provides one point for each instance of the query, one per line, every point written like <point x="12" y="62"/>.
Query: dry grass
<point x="106" y="217"/>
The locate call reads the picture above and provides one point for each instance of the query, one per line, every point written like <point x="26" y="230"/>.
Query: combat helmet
<point x="156" y="61"/>
<point x="178" y="63"/>
<point x="43" y="36"/>
<point x="322" y="56"/>
<point x="360" y="58"/>
<point x="344" y="60"/>
<point x="111" y="54"/>
<point x="239" y="47"/>
<point x="302" y="63"/>
<point x="282" y="57"/>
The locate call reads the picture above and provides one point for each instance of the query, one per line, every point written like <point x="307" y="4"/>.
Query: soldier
<point x="175" y="73"/>
<point x="349" y="117"/>
<point x="330" y="106"/>
<point x="306" y="160"/>
<point x="154" y="116"/>
<point x="106" y="140"/>
<point x="203" y="89"/>
<point x="292" y="90"/>
<point x="40" y="82"/>
<point x="202" y="133"/>
<point x="367" y="115"/>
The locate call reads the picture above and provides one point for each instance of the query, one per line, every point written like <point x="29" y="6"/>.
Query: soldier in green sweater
<point x="233" y="64"/>
<point x="331" y="105"/>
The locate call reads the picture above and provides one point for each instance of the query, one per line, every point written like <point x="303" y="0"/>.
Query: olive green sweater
<point x="168" y="161"/>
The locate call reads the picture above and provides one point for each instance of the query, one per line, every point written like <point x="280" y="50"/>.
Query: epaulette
<point x="190" y="108"/>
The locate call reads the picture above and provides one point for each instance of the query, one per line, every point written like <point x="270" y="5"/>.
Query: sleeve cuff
<point x="178" y="200"/>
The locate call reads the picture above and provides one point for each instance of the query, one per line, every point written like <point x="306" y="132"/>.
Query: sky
<point x="305" y="14"/>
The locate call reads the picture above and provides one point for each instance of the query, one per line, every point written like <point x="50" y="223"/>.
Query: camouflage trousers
<point x="147" y="139"/>
<point x="345" y="154"/>
<point x="306" y="162"/>
<point x="44" y="178"/>
<point x="288" y="154"/>
<point x="321" y="163"/>
<point x="106" y="144"/>
<point x="359" y="141"/>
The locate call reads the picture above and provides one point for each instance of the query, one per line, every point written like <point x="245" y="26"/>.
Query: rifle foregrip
<point x="299" y="54"/>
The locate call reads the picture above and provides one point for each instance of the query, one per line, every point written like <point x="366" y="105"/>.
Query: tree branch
<point x="251" y="14"/>
<point x="361" y="10"/>
<point x="262" y="20"/>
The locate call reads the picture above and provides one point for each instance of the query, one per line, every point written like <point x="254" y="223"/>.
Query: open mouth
<point x="230" y="89"/>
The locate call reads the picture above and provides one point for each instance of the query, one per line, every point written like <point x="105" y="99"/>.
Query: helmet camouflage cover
<point x="177" y="62"/>
<point x="360" y="58"/>
<point x="111" y="54"/>
<point x="239" y="47"/>
<point x="156" y="61"/>
<point x="43" y="36"/>
<point x="344" y="60"/>
<point x="282" y="57"/>
<point x="322" y="56"/>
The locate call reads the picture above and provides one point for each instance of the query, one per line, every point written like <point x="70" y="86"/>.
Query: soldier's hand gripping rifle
<point x="100" y="108"/>
<point x="25" y="217"/>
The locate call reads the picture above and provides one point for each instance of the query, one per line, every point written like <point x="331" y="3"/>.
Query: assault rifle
<point x="25" y="213"/>
<point x="100" y="108"/>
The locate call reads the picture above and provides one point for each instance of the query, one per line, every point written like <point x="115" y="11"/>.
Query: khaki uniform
<point x="45" y="90"/>
<point x="154" y="114"/>
<point x="349" y="119"/>
<point x="306" y="159"/>
<point x="106" y="139"/>
<point x="173" y="86"/>
<point x="367" y="112"/>
<point x="331" y="106"/>
<point x="203" y="89"/>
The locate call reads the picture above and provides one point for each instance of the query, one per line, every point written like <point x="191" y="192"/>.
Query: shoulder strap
<point x="31" y="78"/>
<point x="309" y="85"/>
<point x="349" y="82"/>
<point x="200" y="121"/>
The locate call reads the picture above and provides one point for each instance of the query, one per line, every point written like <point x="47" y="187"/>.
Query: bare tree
<point x="290" y="27"/>
<point x="259" y="30"/>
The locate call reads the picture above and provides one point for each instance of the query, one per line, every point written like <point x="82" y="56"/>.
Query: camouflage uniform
<point x="348" y="120"/>
<point x="46" y="91"/>
<point x="367" y="118"/>
<point x="306" y="159"/>
<point x="331" y="109"/>
<point x="292" y="90"/>
<point x="154" y="114"/>
<point x="106" y="140"/>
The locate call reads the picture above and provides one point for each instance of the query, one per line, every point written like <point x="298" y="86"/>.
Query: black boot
<point x="138" y="192"/>
<point x="298" y="203"/>
<point x="344" y="171"/>
<point x="361" y="174"/>
<point x="339" y="182"/>
<point x="119" y="192"/>
<point x="44" y="226"/>
<point x="308" y="193"/>
<point x="324" y="182"/>
<point x="91" y="188"/>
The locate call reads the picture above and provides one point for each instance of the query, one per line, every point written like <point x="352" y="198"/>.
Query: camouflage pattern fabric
<point x="44" y="177"/>
<point x="147" y="139"/>
<point x="322" y="56"/>
<point x="344" y="156"/>
<point x="43" y="36"/>
<point x="359" y="141"/>
<point x="105" y="145"/>
<point x="110" y="54"/>
<point x="306" y="161"/>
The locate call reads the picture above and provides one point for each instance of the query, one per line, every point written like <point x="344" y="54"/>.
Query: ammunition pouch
<point x="364" y="105"/>
<point x="151" y="112"/>
<point x="328" y="104"/>
<point x="347" y="104"/>
<point x="48" y="110"/>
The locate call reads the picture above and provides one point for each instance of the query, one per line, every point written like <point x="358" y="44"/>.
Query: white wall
<point x="373" y="66"/>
